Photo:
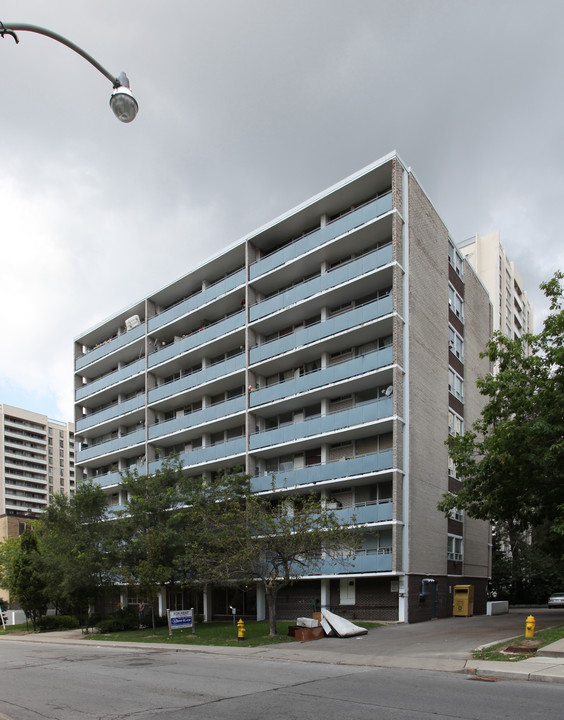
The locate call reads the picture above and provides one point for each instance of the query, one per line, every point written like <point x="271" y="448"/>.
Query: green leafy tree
<point x="512" y="460"/>
<point x="73" y="537"/>
<point x="23" y="574"/>
<point x="147" y="532"/>
<point x="280" y="542"/>
<point x="215" y="524"/>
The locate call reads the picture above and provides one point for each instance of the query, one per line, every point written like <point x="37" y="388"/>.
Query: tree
<point x="23" y="574"/>
<point x="73" y="536"/>
<point x="147" y="531"/>
<point x="281" y="541"/>
<point x="511" y="462"/>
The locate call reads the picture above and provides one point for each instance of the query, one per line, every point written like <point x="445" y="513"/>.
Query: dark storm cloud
<point x="246" y="109"/>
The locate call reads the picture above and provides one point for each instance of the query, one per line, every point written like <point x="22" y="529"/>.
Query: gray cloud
<point x="246" y="109"/>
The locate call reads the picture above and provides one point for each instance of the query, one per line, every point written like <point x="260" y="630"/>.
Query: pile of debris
<point x="323" y="624"/>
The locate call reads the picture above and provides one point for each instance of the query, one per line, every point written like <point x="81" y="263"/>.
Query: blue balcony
<point x="338" y="323"/>
<point x="344" y="224"/>
<point x="327" y="376"/>
<point x="198" y="300"/>
<point x="113" y="378"/>
<point x="110" y="413"/>
<point x="200" y="337"/>
<point x="348" y="468"/>
<point x="359" y="415"/>
<point x="322" y="283"/>
<point x="110" y="346"/>
<point x="207" y="454"/>
<point x="111" y="478"/>
<point x="110" y="446"/>
<point x="366" y="513"/>
<point x="220" y="410"/>
<point x="367" y="561"/>
<point x="213" y="372"/>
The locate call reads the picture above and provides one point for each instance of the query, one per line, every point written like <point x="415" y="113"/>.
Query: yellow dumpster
<point x="463" y="600"/>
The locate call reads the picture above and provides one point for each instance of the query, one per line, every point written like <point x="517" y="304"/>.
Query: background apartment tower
<point x="512" y="311"/>
<point x="335" y="349"/>
<point x="37" y="461"/>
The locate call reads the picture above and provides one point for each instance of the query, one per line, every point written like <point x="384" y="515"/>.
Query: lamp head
<point x="122" y="102"/>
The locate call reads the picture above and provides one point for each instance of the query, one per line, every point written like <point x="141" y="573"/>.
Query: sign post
<point x="180" y="619"/>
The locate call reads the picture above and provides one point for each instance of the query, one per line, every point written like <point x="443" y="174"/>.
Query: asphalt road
<point x="374" y="676"/>
<point x="89" y="682"/>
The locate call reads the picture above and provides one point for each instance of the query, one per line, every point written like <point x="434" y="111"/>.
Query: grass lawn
<point x="21" y="628"/>
<point x="215" y="633"/>
<point x="494" y="652"/>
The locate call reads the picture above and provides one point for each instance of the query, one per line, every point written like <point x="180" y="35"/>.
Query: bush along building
<point x="334" y="349"/>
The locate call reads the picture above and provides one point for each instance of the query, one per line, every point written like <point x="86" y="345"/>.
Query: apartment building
<point x="334" y="349"/>
<point x="37" y="461"/>
<point x="512" y="311"/>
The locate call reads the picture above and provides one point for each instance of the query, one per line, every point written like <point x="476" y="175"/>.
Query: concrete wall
<point x="428" y="384"/>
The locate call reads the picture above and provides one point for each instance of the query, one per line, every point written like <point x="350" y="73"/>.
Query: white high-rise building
<point x="334" y="349"/>
<point x="512" y="311"/>
<point x="37" y="461"/>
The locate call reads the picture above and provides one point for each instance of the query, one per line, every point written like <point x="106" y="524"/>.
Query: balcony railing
<point x="110" y="346"/>
<point x="200" y="337"/>
<point x="313" y="474"/>
<point x="109" y="446"/>
<point x="110" y="413"/>
<point x="110" y="379"/>
<point x="366" y="561"/>
<point x="326" y="376"/>
<point x="321" y="283"/>
<point x="322" y="235"/>
<point x="331" y="326"/>
<point x="365" y="413"/>
<point x="198" y="417"/>
<point x="207" y="454"/>
<point x="372" y="512"/>
<point x="205" y="375"/>
<point x="198" y="300"/>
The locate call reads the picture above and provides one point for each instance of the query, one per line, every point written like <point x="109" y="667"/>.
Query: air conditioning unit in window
<point x="132" y="322"/>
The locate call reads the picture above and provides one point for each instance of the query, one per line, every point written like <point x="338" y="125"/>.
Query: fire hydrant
<point x="530" y="627"/>
<point x="241" y="630"/>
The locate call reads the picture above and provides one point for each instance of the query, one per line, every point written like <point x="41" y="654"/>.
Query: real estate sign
<point x="180" y="620"/>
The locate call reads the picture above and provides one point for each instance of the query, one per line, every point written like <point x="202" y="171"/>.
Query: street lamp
<point x="122" y="102"/>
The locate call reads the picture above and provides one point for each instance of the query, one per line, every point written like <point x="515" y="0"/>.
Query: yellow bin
<point x="463" y="601"/>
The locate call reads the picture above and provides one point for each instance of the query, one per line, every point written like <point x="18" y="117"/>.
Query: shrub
<point x="119" y="620"/>
<point x="57" y="622"/>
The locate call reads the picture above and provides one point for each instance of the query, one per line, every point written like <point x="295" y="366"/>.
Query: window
<point x="455" y="424"/>
<point x="455" y="259"/>
<point x="455" y="550"/>
<point x="455" y="385"/>
<point x="455" y="343"/>
<point x="456" y="303"/>
<point x="452" y="468"/>
<point x="456" y="514"/>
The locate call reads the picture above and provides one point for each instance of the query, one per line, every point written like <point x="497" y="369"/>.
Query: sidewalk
<point x="546" y="666"/>
<point x="372" y="650"/>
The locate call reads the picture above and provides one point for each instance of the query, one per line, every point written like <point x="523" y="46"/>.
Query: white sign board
<point x="180" y="620"/>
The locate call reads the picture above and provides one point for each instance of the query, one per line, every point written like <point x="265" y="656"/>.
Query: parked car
<point x="556" y="600"/>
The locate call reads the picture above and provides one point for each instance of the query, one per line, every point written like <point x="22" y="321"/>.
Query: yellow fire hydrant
<point x="241" y="630"/>
<point x="530" y="627"/>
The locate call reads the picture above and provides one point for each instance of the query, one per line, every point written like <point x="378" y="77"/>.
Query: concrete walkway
<point x="443" y="645"/>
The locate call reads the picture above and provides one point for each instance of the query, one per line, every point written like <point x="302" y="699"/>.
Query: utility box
<point x="463" y="600"/>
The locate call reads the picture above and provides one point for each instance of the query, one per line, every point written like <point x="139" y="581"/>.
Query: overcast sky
<point x="247" y="108"/>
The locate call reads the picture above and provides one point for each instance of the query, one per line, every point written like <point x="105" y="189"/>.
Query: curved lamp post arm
<point x="122" y="101"/>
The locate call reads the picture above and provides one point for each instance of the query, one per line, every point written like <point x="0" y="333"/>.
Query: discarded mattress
<point x="334" y="625"/>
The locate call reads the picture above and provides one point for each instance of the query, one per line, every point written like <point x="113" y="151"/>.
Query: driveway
<point x="444" y="644"/>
